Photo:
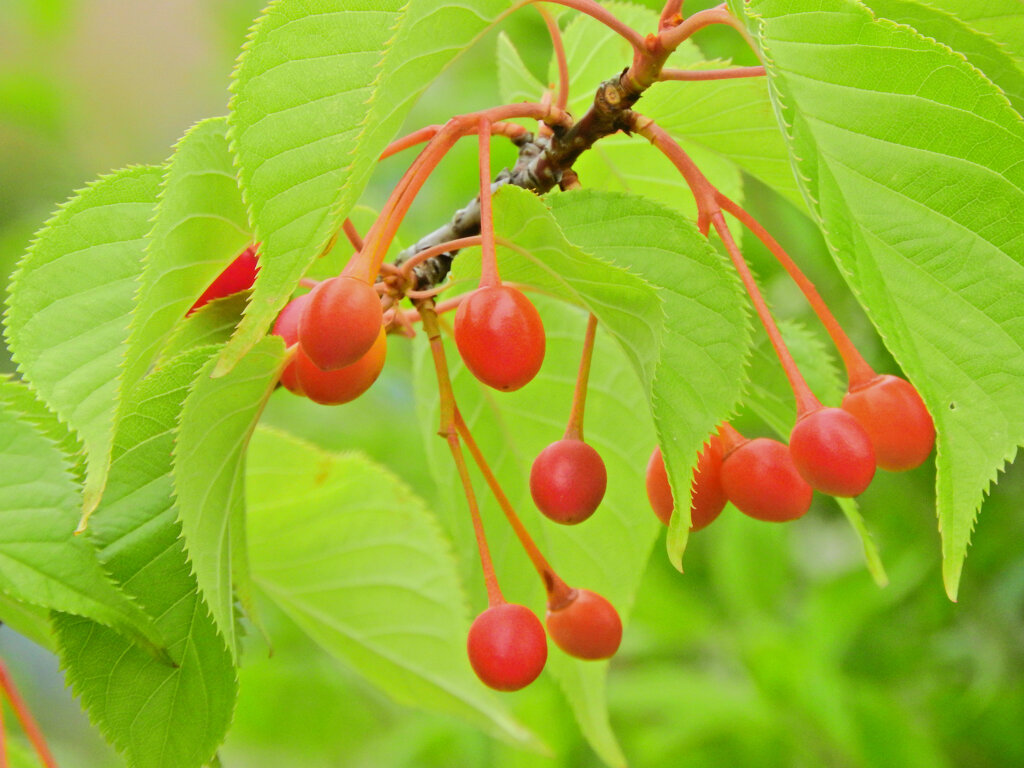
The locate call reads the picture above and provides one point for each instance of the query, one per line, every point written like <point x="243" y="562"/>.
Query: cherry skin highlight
<point x="568" y="481"/>
<point x="832" y="452"/>
<point x="896" y="420"/>
<point x="586" y="627"/>
<point x="341" y="323"/>
<point x="707" y="497"/>
<point x="239" y="275"/>
<point x="761" y="481"/>
<point x="507" y="647"/>
<point x="500" y="337"/>
<point x="344" y="384"/>
<point x="287" y="327"/>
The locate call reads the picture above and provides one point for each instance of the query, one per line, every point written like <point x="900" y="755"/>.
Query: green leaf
<point x="42" y="562"/>
<point x="305" y="153"/>
<point x="71" y="298"/>
<point x="608" y="553"/>
<point x="354" y="558"/>
<point x="911" y="159"/>
<point x="981" y="50"/>
<point x="199" y="228"/>
<point x="1001" y="20"/>
<point x="210" y="325"/>
<point x="29" y="620"/>
<point x="699" y="374"/>
<point x="158" y="716"/>
<point x="216" y="421"/>
<point x="515" y="81"/>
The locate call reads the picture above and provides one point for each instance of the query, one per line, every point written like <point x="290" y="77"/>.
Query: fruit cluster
<point x="335" y="336"/>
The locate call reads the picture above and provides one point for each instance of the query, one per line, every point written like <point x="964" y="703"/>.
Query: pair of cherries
<point x="507" y="645"/>
<point x="339" y="329"/>
<point x="881" y="423"/>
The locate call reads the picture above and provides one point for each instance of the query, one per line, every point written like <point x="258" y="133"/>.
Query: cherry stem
<point x="449" y="432"/>
<point x="366" y="264"/>
<point x="574" y="430"/>
<point x="730" y="437"/>
<point x="511" y="130"/>
<point x="603" y="15"/>
<point x="28" y="723"/>
<point x="671" y="11"/>
<point x="673" y="37"/>
<point x="858" y="371"/>
<point x="488" y="254"/>
<point x="728" y="73"/>
<point x="558" y="591"/>
<point x="562" y="99"/>
<point x="436" y="250"/>
<point x="353" y="236"/>
<point x="709" y="212"/>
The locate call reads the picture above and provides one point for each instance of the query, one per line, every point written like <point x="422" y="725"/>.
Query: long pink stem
<point x="28" y="723"/>
<point x="693" y="75"/>
<point x="858" y="370"/>
<point x="602" y="15"/>
<point x="559" y="48"/>
<point x="489" y="255"/>
<point x="574" y="430"/>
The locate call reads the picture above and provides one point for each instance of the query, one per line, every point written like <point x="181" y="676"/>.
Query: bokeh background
<point x="775" y="649"/>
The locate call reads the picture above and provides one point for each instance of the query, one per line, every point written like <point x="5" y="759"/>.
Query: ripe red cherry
<point x="895" y="418"/>
<point x="587" y="626"/>
<point x="832" y="452"/>
<point x="239" y="275"/>
<point x="507" y="647"/>
<point x="287" y="327"/>
<point x="568" y="480"/>
<point x="761" y="481"/>
<point x="707" y="497"/>
<point x="344" y="384"/>
<point x="341" y="323"/>
<point x="500" y="336"/>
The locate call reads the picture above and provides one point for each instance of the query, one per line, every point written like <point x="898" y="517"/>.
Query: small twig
<point x="728" y="73"/>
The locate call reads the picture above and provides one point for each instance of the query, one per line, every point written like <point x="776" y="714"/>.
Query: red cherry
<point x="832" y="452"/>
<point x="568" y="480"/>
<point x="896" y="419"/>
<point x="500" y="336"/>
<point x="341" y="323"/>
<point x="707" y="497"/>
<point x="344" y="384"/>
<point x="287" y="327"/>
<point x="507" y="647"/>
<point x="587" y="626"/>
<point x="239" y="275"/>
<point x="761" y="481"/>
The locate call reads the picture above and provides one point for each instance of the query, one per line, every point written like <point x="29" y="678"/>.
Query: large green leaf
<point x="699" y="375"/>
<point x="200" y="226"/>
<point x="216" y="421"/>
<point x="912" y="160"/>
<point x="157" y="715"/>
<point x="70" y="303"/>
<point x="321" y="88"/>
<point x="42" y="562"/>
<point x="980" y="49"/>
<point x="356" y="559"/>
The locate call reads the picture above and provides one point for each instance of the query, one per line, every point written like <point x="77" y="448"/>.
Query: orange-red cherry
<point x="897" y="422"/>
<point x="568" y="480"/>
<point x="287" y="327"/>
<point x="586" y="626"/>
<point x="344" y="384"/>
<point x="507" y="647"/>
<point x="761" y="481"/>
<point x="500" y="337"/>
<point x="832" y="452"/>
<point x="707" y="497"/>
<point x="239" y="275"/>
<point x="341" y="322"/>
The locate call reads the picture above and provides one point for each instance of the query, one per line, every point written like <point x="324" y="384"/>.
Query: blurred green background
<point x="775" y="648"/>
